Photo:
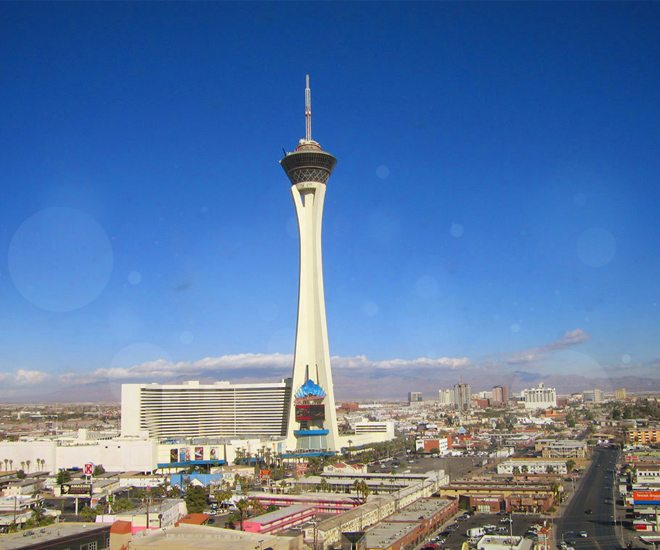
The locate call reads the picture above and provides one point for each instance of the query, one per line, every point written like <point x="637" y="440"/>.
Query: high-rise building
<point x="593" y="396"/>
<point x="462" y="396"/>
<point x="500" y="395"/>
<point x="192" y="409"/>
<point x="539" y="397"/>
<point x="415" y="397"/>
<point x="446" y="397"/>
<point x="620" y="394"/>
<point x="312" y="416"/>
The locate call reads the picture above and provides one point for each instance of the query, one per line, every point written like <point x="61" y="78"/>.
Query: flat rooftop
<point x="282" y="513"/>
<point x="386" y="533"/>
<point x="422" y="509"/>
<point x="50" y="533"/>
<point x="203" y="538"/>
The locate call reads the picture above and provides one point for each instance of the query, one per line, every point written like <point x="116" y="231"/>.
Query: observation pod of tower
<point x="312" y="421"/>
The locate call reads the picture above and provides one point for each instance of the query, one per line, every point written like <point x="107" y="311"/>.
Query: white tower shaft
<point x="312" y="355"/>
<point x="312" y="422"/>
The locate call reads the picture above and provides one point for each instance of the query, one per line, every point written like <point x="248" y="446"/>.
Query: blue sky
<point x="493" y="211"/>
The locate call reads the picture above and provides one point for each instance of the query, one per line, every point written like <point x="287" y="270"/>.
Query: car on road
<point x="583" y="534"/>
<point x="588" y="511"/>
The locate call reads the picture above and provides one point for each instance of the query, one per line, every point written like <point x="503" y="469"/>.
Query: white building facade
<point x="192" y="409"/>
<point x="539" y="397"/>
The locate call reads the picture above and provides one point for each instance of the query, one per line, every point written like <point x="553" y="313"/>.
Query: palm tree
<point x="11" y="464"/>
<point x="350" y="444"/>
<point x="222" y="493"/>
<point x="27" y="463"/>
<point x="22" y="464"/>
<point x="242" y="506"/>
<point x="6" y="463"/>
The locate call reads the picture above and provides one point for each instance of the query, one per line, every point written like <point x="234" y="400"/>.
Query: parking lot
<point x="455" y="535"/>
<point x="455" y="466"/>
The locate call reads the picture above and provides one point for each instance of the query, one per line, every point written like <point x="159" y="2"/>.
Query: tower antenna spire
<point x="308" y="110"/>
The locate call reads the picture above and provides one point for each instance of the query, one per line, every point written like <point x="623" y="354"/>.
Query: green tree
<point x="21" y="474"/>
<point x="570" y="464"/>
<point x="550" y="469"/>
<point x="195" y="499"/>
<point x="63" y="476"/>
<point x="324" y="486"/>
<point x="99" y="470"/>
<point x="222" y="493"/>
<point x="87" y="514"/>
<point x="123" y="504"/>
<point x="362" y="489"/>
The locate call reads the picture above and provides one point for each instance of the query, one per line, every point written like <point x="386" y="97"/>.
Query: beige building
<point x="643" y="436"/>
<point x="561" y="448"/>
<point x="532" y="466"/>
<point x="620" y="394"/>
<point x="201" y="537"/>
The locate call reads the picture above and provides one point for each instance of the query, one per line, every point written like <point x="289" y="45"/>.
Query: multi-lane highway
<point x="592" y="507"/>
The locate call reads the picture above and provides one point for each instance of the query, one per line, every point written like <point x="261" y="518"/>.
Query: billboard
<point x="646" y="497"/>
<point x="174" y="455"/>
<point x="213" y="453"/>
<point x="199" y="453"/>
<point x="76" y="489"/>
<point x="310" y="412"/>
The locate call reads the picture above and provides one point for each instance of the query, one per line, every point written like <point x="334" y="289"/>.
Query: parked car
<point x="583" y="534"/>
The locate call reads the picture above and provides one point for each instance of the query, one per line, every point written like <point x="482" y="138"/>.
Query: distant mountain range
<point x="353" y="385"/>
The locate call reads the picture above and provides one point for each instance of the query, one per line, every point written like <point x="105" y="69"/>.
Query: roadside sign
<point x="89" y="469"/>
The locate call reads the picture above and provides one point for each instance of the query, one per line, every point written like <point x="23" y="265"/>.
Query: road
<point x="595" y="494"/>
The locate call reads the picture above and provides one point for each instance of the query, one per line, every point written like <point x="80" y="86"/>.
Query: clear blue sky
<point x="496" y="196"/>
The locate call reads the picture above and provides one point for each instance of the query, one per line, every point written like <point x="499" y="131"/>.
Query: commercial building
<point x="409" y="527"/>
<point x="561" y="448"/>
<point x="531" y="466"/>
<point x="438" y="445"/>
<point x="415" y="397"/>
<point x="50" y="454"/>
<point x="192" y="409"/>
<point x="643" y="436"/>
<point x="446" y="397"/>
<point x="539" y="397"/>
<point x="202" y="537"/>
<point x="500" y="395"/>
<point x="593" y="396"/>
<point x="462" y="396"/>
<point x="371" y="432"/>
<point x="280" y="520"/>
<point x="61" y="536"/>
<point x="620" y="394"/>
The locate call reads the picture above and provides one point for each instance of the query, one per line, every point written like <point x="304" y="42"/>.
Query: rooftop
<point x="386" y="533"/>
<point x="202" y="537"/>
<point x="49" y="534"/>
<point x="282" y="513"/>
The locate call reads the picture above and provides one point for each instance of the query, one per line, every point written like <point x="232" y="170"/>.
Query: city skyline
<point x="493" y="214"/>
